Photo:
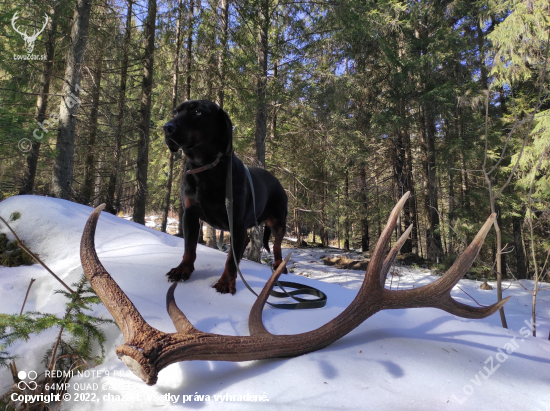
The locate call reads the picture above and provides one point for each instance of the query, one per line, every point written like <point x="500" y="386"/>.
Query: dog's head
<point x="200" y="128"/>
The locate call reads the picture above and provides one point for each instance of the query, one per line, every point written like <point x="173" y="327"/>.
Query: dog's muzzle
<point x="169" y="129"/>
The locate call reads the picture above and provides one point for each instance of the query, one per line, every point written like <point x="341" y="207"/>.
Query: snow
<point x="417" y="359"/>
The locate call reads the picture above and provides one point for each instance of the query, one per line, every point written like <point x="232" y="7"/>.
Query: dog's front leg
<point x="191" y="227"/>
<point x="226" y="283"/>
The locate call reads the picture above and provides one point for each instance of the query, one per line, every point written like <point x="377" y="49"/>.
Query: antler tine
<point x="255" y="324"/>
<point x="466" y="259"/>
<point x="372" y="275"/>
<point x="392" y="254"/>
<point x="13" y="19"/>
<point x="138" y="335"/>
<point x="179" y="319"/>
<point x="438" y="293"/>
<point x="36" y="33"/>
<point x="467" y="311"/>
<point x="46" y="22"/>
<point x="119" y="305"/>
<point x="445" y="284"/>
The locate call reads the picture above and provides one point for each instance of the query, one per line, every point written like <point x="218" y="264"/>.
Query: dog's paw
<point x="180" y="273"/>
<point x="225" y="288"/>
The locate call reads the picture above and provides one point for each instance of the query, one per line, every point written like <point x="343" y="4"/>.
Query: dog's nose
<point x="169" y="128"/>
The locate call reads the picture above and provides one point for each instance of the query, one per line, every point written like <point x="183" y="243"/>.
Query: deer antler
<point x="147" y="350"/>
<point x="37" y="33"/>
<point x="13" y="19"/>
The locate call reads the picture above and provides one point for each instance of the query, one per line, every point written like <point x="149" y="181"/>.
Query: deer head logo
<point x="29" y="40"/>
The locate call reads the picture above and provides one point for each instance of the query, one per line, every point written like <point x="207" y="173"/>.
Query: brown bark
<point x="189" y="51"/>
<point x="42" y="101"/>
<point x="261" y="110"/>
<point x="450" y="201"/>
<point x="89" y="169"/>
<point x="346" y="211"/>
<point x="145" y="114"/>
<point x="188" y="66"/>
<point x="433" y="239"/>
<point x="222" y="58"/>
<point x="261" y="83"/>
<point x="411" y="245"/>
<point x="365" y="212"/>
<point x="64" y="163"/>
<point x="110" y="201"/>
<point x="167" y="194"/>
<point x="175" y="77"/>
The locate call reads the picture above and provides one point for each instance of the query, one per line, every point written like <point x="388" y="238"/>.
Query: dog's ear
<point x="225" y="124"/>
<point x="178" y="109"/>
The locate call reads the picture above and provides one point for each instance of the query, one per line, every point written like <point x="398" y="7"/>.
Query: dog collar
<point x="206" y="167"/>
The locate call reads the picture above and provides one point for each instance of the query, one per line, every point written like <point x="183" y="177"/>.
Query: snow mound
<point x="421" y="359"/>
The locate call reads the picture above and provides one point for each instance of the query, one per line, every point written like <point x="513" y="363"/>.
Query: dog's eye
<point x="198" y="113"/>
<point x="174" y="112"/>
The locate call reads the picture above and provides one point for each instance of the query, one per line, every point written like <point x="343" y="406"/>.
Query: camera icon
<point x="31" y="385"/>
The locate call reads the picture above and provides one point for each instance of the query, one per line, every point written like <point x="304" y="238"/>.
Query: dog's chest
<point x="208" y="195"/>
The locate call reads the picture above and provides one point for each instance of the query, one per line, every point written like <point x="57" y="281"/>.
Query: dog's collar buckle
<point x="206" y="167"/>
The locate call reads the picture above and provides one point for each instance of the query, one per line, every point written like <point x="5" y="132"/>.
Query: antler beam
<point x="147" y="350"/>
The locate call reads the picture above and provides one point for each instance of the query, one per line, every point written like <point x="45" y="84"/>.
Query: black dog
<point x="204" y="132"/>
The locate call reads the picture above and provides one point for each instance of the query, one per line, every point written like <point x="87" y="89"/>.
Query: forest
<point x="349" y="103"/>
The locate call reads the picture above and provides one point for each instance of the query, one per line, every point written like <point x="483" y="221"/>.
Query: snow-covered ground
<point x="418" y="359"/>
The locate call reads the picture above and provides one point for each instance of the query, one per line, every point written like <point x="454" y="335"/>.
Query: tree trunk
<point x="98" y="186"/>
<point x="433" y="239"/>
<point x="323" y="232"/>
<point x="189" y="51"/>
<point x="42" y="100"/>
<point x="261" y="84"/>
<point x="188" y="66"/>
<point x="64" y="163"/>
<point x="89" y="172"/>
<point x="211" y="236"/>
<point x="145" y="114"/>
<point x="254" y="253"/>
<point x="346" y="211"/>
<point x="180" y="209"/>
<point x="465" y="186"/>
<point x="410" y="214"/>
<point x="377" y="197"/>
<point x="222" y="58"/>
<point x="450" y="203"/>
<point x="365" y="217"/>
<point x="442" y="218"/>
<point x="201" y="232"/>
<point x="261" y="110"/>
<point x="175" y="77"/>
<point x="400" y="180"/>
<point x="167" y="194"/>
<point x="295" y="213"/>
<point x="120" y="115"/>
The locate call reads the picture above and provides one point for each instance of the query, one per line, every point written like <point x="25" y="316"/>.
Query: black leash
<point x="300" y="289"/>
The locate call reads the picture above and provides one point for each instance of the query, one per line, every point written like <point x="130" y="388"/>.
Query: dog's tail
<point x="267" y="234"/>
